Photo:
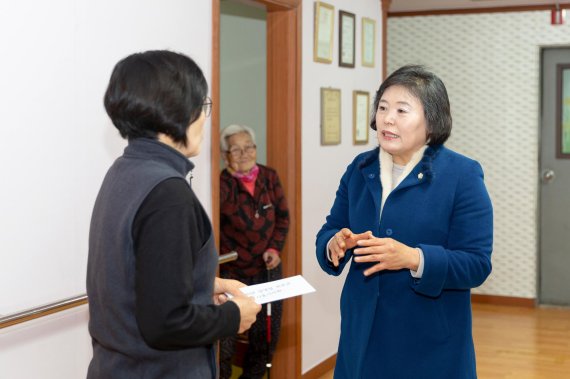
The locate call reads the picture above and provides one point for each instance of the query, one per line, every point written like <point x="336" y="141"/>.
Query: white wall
<point x="323" y="166"/>
<point x="53" y="347"/>
<point x="56" y="145"/>
<point x="490" y="64"/>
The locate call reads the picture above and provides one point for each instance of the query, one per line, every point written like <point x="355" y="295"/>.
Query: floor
<point x="519" y="343"/>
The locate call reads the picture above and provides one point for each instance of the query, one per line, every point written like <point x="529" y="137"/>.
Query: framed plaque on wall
<point x="330" y="116"/>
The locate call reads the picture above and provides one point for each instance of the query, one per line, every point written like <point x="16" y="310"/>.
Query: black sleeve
<point x="168" y="229"/>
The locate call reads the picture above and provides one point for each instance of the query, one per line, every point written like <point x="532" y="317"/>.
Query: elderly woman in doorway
<point x="254" y="221"/>
<point x="156" y="308"/>
<point x="414" y="222"/>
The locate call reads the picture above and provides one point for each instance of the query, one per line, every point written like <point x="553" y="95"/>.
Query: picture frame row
<point x="331" y="120"/>
<point x="323" y="43"/>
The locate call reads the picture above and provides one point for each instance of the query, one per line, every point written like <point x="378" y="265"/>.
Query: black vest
<point x="119" y="350"/>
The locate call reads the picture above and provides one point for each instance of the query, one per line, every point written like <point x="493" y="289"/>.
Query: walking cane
<point x="268" y="312"/>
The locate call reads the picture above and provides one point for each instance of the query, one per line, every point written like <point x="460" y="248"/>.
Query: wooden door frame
<point x="283" y="151"/>
<point x="385" y="5"/>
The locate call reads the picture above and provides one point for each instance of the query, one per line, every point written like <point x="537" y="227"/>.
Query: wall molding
<point x="504" y="300"/>
<point x="439" y="12"/>
<point x="321" y="369"/>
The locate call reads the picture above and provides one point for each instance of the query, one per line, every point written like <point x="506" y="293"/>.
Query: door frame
<point x="283" y="151"/>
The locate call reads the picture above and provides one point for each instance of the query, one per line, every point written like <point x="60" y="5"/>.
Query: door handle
<point x="548" y="176"/>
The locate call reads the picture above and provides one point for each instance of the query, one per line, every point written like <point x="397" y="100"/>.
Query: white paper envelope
<point x="278" y="289"/>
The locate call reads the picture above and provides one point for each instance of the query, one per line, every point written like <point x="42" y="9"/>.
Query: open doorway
<point x="243" y="74"/>
<point x="283" y="148"/>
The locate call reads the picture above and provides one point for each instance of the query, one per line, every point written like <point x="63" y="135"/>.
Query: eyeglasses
<point x="207" y="106"/>
<point x="237" y="152"/>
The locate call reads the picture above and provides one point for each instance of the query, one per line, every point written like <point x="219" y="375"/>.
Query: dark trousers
<point x="259" y="351"/>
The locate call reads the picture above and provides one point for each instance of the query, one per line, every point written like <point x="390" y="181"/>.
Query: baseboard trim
<point x="504" y="300"/>
<point x="321" y="369"/>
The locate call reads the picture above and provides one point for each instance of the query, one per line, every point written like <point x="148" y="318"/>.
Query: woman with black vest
<point x="156" y="308"/>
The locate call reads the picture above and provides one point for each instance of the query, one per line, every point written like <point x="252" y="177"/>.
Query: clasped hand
<point x="389" y="253"/>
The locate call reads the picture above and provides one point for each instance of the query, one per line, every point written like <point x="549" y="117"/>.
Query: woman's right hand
<point x="342" y="241"/>
<point x="248" y="310"/>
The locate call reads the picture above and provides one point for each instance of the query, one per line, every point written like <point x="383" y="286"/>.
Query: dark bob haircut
<point x="430" y="91"/>
<point x="155" y="92"/>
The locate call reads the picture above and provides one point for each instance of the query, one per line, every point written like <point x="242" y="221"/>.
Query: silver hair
<point x="232" y="129"/>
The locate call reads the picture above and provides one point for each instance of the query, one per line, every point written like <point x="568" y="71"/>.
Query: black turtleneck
<point x="170" y="223"/>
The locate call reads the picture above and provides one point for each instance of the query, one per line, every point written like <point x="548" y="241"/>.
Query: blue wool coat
<point x="393" y="325"/>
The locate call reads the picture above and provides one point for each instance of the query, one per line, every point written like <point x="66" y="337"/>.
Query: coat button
<point x="389" y="232"/>
<point x="371" y="176"/>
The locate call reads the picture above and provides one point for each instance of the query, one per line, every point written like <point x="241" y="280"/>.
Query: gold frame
<point x="330" y="116"/>
<point x="364" y="125"/>
<point x="317" y="36"/>
<point x="368" y="21"/>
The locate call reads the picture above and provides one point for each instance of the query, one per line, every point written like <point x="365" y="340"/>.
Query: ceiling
<point x="429" y="5"/>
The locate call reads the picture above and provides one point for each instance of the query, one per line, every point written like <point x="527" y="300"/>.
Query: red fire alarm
<point x="557" y="16"/>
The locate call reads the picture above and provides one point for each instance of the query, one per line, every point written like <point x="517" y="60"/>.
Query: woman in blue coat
<point x="414" y="222"/>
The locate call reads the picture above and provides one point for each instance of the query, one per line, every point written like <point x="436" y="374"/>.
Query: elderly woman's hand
<point x="342" y="241"/>
<point x="271" y="259"/>
<point x="389" y="253"/>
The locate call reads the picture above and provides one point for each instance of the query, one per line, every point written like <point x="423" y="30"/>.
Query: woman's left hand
<point x="389" y="253"/>
<point x="223" y="286"/>
<point x="271" y="259"/>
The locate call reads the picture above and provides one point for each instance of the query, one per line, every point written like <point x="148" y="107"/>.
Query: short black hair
<point x="155" y="92"/>
<point x="430" y="91"/>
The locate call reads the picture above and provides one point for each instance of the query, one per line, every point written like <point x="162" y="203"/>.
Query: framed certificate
<point x="346" y="38"/>
<point x="368" y="41"/>
<point x="330" y="116"/>
<point x="360" y="116"/>
<point x="323" y="33"/>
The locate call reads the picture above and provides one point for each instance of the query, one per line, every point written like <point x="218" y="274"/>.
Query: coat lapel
<point x="414" y="178"/>
<point x="370" y="169"/>
<point x="423" y="172"/>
